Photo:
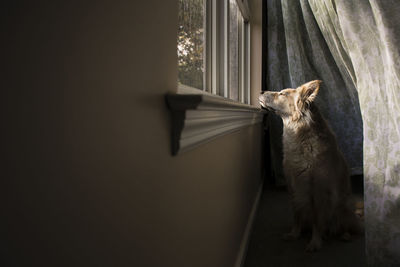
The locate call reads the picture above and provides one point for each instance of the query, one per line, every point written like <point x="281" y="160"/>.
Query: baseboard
<point x="246" y="236"/>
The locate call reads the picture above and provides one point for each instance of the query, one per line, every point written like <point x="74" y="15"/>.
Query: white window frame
<point x="216" y="56"/>
<point x="199" y="116"/>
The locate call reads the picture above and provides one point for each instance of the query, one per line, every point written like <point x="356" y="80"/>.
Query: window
<point x="191" y="37"/>
<point x="213" y="59"/>
<point x="213" y="47"/>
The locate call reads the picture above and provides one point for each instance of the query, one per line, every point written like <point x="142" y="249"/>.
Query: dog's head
<point x="290" y="102"/>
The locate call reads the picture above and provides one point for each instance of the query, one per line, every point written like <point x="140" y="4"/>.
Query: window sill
<point x="199" y="118"/>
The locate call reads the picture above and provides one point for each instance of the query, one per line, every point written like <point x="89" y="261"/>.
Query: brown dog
<point x="316" y="172"/>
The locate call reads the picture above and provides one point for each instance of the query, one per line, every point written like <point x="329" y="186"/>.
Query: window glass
<point x="191" y="43"/>
<point x="233" y="50"/>
<point x="216" y="61"/>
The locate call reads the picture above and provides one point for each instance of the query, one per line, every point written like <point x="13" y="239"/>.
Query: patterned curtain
<point x="298" y="53"/>
<point x="354" y="47"/>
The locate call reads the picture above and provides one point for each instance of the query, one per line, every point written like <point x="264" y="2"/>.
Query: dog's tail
<point x="352" y="217"/>
<point x="346" y="221"/>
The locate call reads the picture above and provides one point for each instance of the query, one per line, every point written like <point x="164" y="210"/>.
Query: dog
<point x="316" y="172"/>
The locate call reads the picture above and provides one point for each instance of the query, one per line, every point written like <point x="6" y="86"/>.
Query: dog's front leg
<point x="318" y="220"/>
<point x="316" y="240"/>
<point x="296" y="229"/>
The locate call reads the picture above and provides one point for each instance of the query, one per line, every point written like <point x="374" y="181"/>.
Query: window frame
<point x="199" y="116"/>
<point x="216" y="55"/>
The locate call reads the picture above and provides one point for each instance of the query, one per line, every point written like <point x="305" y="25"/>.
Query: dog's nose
<point x="262" y="92"/>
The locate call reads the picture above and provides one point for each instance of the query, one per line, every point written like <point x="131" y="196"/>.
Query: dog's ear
<point x="308" y="91"/>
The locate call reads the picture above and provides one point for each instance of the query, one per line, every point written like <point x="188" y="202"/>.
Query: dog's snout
<point x="262" y="92"/>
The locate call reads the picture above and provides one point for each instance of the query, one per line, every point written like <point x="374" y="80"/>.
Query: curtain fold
<point x="298" y="53"/>
<point x="371" y="35"/>
<point x="354" y="47"/>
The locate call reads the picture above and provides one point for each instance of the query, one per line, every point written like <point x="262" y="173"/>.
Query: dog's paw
<point x="346" y="237"/>
<point x="313" y="246"/>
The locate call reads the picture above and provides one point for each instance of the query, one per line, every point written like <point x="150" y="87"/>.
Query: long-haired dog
<point x="317" y="175"/>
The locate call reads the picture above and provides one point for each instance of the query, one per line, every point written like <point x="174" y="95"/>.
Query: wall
<point x="88" y="175"/>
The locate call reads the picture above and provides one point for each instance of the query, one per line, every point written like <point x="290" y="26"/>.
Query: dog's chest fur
<point x="301" y="147"/>
<point x="305" y="143"/>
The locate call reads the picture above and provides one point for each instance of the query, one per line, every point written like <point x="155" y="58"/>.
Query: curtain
<point x="354" y="47"/>
<point x="298" y="53"/>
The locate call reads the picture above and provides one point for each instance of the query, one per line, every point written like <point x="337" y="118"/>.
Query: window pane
<point x="246" y="63"/>
<point x="233" y="50"/>
<point x="191" y="43"/>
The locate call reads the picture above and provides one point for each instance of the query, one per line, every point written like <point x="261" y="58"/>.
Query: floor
<point x="267" y="248"/>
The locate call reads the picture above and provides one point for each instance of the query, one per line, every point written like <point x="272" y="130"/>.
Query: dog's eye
<point x="283" y="94"/>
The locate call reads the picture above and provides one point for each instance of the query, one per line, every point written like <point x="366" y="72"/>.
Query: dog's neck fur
<point x="303" y="128"/>
<point x="302" y="120"/>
